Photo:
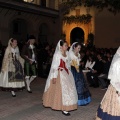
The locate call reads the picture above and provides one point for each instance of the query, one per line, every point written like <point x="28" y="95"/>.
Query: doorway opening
<point x="77" y="35"/>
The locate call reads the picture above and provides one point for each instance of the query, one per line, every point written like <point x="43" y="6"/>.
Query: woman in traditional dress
<point x="60" y="91"/>
<point x="80" y="82"/>
<point x="11" y="76"/>
<point x="109" y="108"/>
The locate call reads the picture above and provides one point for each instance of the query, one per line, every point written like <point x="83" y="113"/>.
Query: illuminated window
<point x="28" y="0"/>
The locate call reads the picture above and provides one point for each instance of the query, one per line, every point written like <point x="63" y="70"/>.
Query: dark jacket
<point x="106" y="67"/>
<point x="27" y="53"/>
<point x="99" y="66"/>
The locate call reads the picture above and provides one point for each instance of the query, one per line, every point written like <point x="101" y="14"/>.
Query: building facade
<point x="19" y="18"/>
<point x="44" y="19"/>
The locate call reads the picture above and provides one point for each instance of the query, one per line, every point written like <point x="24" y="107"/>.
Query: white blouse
<point x="89" y="64"/>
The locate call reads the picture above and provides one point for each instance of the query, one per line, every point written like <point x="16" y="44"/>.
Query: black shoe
<point x="66" y="114"/>
<point x="13" y="95"/>
<point x="29" y="91"/>
<point x="90" y="85"/>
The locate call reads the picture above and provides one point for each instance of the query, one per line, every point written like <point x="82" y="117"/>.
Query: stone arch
<point x="67" y="28"/>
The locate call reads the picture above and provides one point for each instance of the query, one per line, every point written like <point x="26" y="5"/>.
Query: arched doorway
<point x="77" y="35"/>
<point x="43" y="3"/>
<point x="43" y="34"/>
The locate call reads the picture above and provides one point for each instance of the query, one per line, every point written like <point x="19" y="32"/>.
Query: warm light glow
<point x="87" y="28"/>
<point x="67" y="28"/>
<point x="28" y="0"/>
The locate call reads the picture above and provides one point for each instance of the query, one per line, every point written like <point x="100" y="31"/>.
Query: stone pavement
<point x="28" y="106"/>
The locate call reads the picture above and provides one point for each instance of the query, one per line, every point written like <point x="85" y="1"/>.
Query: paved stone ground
<point x="26" y="106"/>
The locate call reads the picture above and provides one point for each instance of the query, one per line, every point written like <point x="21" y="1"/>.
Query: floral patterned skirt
<point x="109" y="108"/>
<point x="10" y="80"/>
<point x="53" y="97"/>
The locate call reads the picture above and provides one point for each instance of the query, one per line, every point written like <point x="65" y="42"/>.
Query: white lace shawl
<point x="114" y="71"/>
<point x="72" y="56"/>
<point x="55" y="65"/>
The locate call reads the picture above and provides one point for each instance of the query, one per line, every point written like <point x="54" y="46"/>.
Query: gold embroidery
<point x="75" y="64"/>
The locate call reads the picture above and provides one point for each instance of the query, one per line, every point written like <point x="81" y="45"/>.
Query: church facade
<point x="45" y="20"/>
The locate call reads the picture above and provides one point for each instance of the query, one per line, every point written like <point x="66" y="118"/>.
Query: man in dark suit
<point x="104" y="75"/>
<point x="92" y="76"/>
<point x="30" y="56"/>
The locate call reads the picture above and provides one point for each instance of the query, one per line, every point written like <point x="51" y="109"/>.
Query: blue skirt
<point x="84" y="96"/>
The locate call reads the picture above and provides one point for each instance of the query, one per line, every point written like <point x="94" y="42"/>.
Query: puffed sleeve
<point x="55" y="65"/>
<point x="115" y="76"/>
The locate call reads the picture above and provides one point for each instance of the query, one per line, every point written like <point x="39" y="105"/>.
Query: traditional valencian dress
<point x="109" y="108"/>
<point x="84" y="96"/>
<point x="62" y="95"/>
<point x="11" y="76"/>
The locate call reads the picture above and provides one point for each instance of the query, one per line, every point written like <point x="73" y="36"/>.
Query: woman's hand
<point x="87" y="68"/>
<point x="118" y="93"/>
<point x="2" y="71"/>
<point x="31" y="62"/>
<point x="94" y="71"/>
<point x="54" y="81"/>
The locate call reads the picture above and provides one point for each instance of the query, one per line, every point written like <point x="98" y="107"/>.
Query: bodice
<point x="63" y="66"/>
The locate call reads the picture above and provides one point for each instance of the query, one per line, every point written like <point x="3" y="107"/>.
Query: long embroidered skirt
<point x="109" y="108"/>
<point x="53" y="97"/>
<point x="84" y="96"/>
<point x="10" y="80"/>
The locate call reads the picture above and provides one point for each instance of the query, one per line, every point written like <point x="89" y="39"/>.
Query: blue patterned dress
<point x="84" y="96"/>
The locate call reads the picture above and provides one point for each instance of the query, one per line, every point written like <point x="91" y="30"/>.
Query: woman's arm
<point x="55" y="65"/>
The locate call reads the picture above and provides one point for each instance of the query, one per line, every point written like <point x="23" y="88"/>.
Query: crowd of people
<point x="68" y="71"/>
<point x="94" y="62"/>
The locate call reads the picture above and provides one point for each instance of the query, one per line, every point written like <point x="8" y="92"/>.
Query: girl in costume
<point x="109" y="108"/>
<point x="84" y="96"/>
<point x="11" y="76"/>
<point x="60" y="91"/>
